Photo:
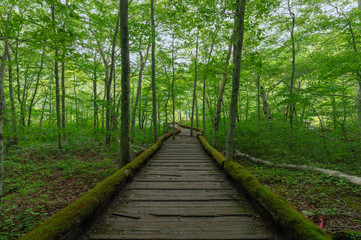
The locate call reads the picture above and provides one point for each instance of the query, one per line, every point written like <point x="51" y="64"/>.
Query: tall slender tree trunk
<point x="43" y="109"/>
<point x="20" y="99"/>
<point x="57" y="85"/>
<point x="76" y="100"/>
<point x="125" y="82"/>
<point x="139" y="87"/>
<point x="108" y="83"/>
<point x="63" y="116"/>
<point x="291" y="97"/>
<point x="14" y="139"/>
<point x="195" y="84"/>
<point x="95" y="96"/>
<point x="204" y="83"/>
<point x="239" y="18"/>
<point x="173" y="85"/>
<point x="3" y="63"/>
<point x="154" y="113"/>
<point x="258" y="104"/>
<point x="221" y="91"/>
<point x="36" y="87"/>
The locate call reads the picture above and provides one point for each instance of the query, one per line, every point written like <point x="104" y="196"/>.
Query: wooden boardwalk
<point x="181" y="194"/>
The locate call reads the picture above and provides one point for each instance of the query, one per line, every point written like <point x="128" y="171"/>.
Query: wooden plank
<point x="180" y="235"/>
<point x="133" y="212"/>
<point x="128" y="204"/>
<point x="186" y="226"/>
<point x="180" y="185"/>
<point x="210" y="220"/>
<point x="186" y="195"/>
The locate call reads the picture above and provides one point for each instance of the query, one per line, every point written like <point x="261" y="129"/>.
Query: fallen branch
<point x="353" y="179"/>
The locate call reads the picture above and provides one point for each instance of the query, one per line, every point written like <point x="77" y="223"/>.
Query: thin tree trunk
<point x="139" y="87"/>
<point x="240" y="12"/>
<point x="173" y="85"/>
<point x="4" y="59"/>
<point x="43" y="109"/>
<point x="204" y="83"/>
<point x="57" y="86"/>
<point x="221" y="91"/>
<point x="195" y="84"/>
<point x="14" y="139"/>
<point x="63" y="117"/>
<point x="108" y="83"/>
<point x="36" y="87"/>
<point x="76" y="100"/>
<point x="166" y="103"/>
<point x="154" y="112"/>
<point x="20" y="99"/>
<point x="125" y="83"/>
<point x="258" y="105"/>
<point x="291" y="98"/>
<point x="95" y="95"/>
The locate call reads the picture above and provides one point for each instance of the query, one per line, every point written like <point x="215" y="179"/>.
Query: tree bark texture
<point x="4" y="59"/>
<point x="125" y="83"/>
<point x="139" y="87"/>
<point x="57" y="86"/>
<point x="240" y="12"/>
<point x="221" y="91"/>
<point x="195" y="85"/>
<point x="154" y="93"/>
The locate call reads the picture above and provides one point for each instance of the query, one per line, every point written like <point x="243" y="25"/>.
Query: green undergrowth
<point x="317" y="195"/>
<point x="82" y="210"/>
<point x="41" y="179"/>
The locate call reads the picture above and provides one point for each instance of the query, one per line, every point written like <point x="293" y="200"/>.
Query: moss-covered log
<point x="291" y="221"/>
<point x="81" y="211"/>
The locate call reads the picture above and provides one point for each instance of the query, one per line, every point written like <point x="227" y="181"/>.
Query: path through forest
<point x="181" y="194"/>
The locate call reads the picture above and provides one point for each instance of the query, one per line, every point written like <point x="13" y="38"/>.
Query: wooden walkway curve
<point x="181" y="194"/>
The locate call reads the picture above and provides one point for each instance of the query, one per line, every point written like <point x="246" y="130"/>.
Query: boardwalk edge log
<point x="291" y="221"/>
<point x="82" y="211"/>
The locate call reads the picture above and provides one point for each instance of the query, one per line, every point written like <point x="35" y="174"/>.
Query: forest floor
<point x="40" y="180"/>
<point x="318" y="196"/>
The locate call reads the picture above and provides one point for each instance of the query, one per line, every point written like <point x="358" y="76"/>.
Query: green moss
<point x="353" y="202"/>
<point x="346" y="235"/>
<point x="292" y="221"/>
<point x="67" y="219"/>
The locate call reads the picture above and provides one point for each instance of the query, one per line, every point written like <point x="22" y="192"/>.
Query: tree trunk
<point x="221" y="91"/>
<point x="258" y="105"/>
<point x="204" y="83"/>
<point x="353" y="179"/>
<point x="240" y="12"/>
<point x="95" y="95"/>
<point x="125" y="82"/>
<point x="63" y="119"/>
<point x="36" y="87"/>
<point x="291" y="97"/>
<point x="154" y="109"/>
<point x="14" y="138"/>
<point x="57" y="86"/>
<point x="20" y="99"/>
<point x="173" y="85"/>
<point x="139" y="87"/>
<point x="195" y="84"/>
<point x="108" y="83"/>
<point x="4" y="59"/>
<point x="265" y="105"/>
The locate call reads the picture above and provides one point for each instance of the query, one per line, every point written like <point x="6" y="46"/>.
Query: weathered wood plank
<point x="181" y="194"/>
